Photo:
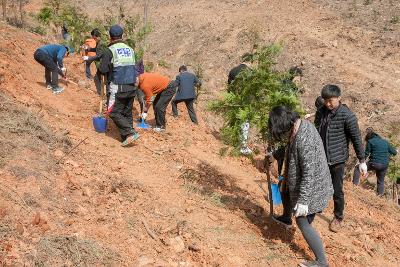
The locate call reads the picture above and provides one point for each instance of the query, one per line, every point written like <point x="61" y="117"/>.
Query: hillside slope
<point x="200" y="209"/>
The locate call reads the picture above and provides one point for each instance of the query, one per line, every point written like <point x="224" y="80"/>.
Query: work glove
<point x="300" y="210"/>
<point x="64" y="72"/>
<point x="144" y="115"/>
<point x="363" y="168"/>
<point x="85" y="58"/>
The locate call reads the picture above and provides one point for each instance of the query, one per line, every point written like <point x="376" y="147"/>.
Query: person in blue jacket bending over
<point x="51" y="57"/>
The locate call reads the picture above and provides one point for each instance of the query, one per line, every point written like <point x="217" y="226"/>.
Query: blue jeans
<point x="380" y="170"/>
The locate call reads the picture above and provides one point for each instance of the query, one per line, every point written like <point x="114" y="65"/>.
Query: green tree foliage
<point x="79" y="24"/>
<point x="252" y="95"/>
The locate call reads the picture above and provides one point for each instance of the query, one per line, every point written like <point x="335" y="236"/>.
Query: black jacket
<point x="186" y="83"/>
<point x="341" y="129"/>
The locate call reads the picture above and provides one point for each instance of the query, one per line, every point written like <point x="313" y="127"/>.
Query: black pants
<point x="337" y="173"/>
<point x="140" y="98"/>
<point x="98" y="81"/>
<point x="51" y="68"/>
<point x="380" y="170"/>
<point x="160" y="104"/>
<point x="121" y="113"/>
<point x="189" y="105"/>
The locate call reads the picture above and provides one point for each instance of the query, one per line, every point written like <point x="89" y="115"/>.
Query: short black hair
<point x="247" y="57"/>
<point x="330" y="90"/>
<point x="182" y="68"/>
<point x="281" y="120"/>
<point x="319" y="102"/>
<point x="95" y="32"/>
<point x="296" y="71"/>
<point x="369" y="133"/>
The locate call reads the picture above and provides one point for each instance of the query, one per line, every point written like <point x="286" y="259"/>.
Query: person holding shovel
<point x="51" y="57"/>
<point x="186" y="82"/>
<point x="155" y="84"/>
<point x="307" y="180"/>
<point x="378" y="150"/>
<point x="118" y="63"/>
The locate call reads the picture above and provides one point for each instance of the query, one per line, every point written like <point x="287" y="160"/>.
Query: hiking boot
<point x="159" y="129"/>
<point x="130" y="139"/>
<point x="245" y="151"/>
<point x="57" y="90"/>
<point x="311" y="264"/>
<point x="281" y="220"/>
<point x="335" y="225"/>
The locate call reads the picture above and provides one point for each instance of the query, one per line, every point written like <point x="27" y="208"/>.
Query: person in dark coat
<point x="378" y="150"/>
<point x="51" y="57"/>
<point x="337" y="126"/>
<point x="233" y="74"/>
<point x="186" y="82"/>
<point x="118" y="63"/>
<point x="307" y="183"/>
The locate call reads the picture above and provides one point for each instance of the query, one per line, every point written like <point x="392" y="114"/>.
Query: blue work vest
<point x="123" y="64"/>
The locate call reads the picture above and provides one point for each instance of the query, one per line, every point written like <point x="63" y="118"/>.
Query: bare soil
<point x="172" y="199"/>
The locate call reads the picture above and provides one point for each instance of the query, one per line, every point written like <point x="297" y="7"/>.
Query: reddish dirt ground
<point x="172" y="199"/>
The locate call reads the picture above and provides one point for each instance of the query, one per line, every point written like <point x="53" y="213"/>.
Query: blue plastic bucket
<point x="276" y="194"/>
<point x="100" y="124"/>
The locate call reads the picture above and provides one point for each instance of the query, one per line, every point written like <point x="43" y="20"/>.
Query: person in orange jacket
<point x="164" y="89"/>
<point x="89" y="51"/>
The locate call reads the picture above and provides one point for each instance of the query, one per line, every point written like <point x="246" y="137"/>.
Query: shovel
<point x="142" y="124"/>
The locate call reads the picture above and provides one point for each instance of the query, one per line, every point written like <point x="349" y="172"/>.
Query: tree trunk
<point x="4" y="8"/>
<point x="21" y="12"/>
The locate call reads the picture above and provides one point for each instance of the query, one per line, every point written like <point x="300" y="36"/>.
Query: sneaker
<point x="130" y="139"/>
<point x="49" y="87"/>
<point x="57" y="90"/>
<point x="335" y="225"/>
<point x="311" y="264"/>
<point x="287" y="223"/>
<point x="245" y="151"/>
<point x="159" y="129"/>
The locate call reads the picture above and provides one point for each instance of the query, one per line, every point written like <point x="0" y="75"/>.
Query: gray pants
<point x="312" y="238"/>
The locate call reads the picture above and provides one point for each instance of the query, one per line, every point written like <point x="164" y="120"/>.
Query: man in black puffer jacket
<point x="337" y="126"/>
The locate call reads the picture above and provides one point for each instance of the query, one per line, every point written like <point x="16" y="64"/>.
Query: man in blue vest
<point x="118" y="63"/>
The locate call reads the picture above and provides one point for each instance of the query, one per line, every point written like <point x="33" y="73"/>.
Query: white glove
<point x="144" y="115"/>
<point x="85" y="58"/>
<point x="363" y="168"/>
<point x="300" y="210"/>
<point x="64" y="71"/>
<point x="309" y="115"/>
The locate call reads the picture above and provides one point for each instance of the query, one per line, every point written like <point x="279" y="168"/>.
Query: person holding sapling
<point x="233" y="74"/>
<point x="337" y="126"/>
<point x="307" y="183"/>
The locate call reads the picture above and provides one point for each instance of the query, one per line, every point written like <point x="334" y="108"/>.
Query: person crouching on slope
<point x="118" y="63"/>
<point x="164" y="89"/>
<point x="378" y="150"/>
<point x="51" y="57"/>
<point x="307" y="178"/>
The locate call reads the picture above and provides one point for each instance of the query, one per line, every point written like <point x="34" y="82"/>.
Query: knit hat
<point x="116" y="31"/>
